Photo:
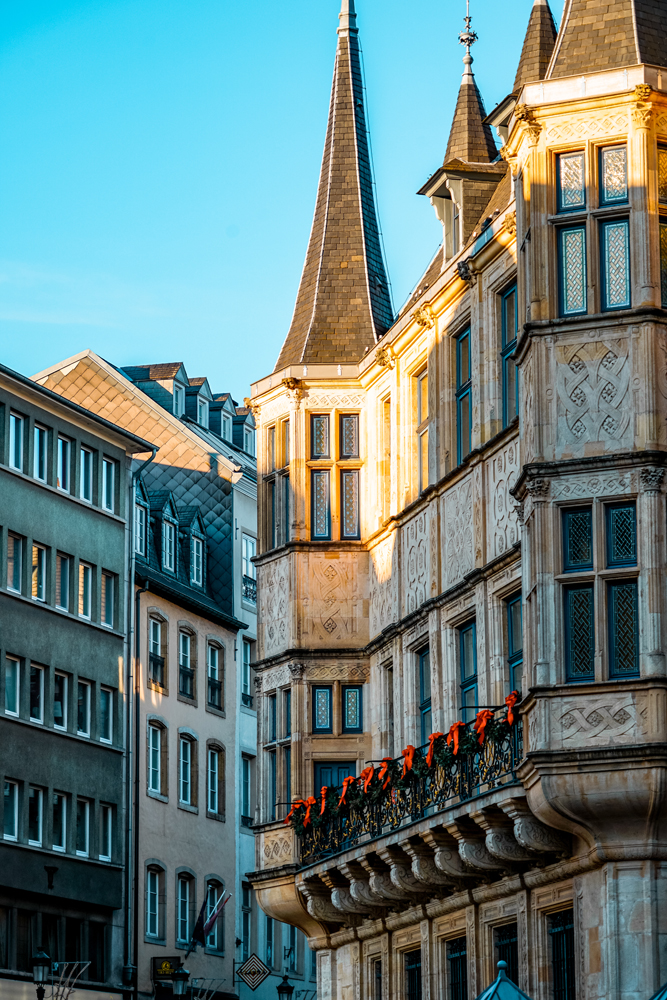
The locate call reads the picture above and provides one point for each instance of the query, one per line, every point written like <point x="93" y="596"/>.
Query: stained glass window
<point x="615" y="260"/>
<point x="613" y="175"/>
<point x="663" y="263"/>
<point x="322" y="709"/>
<point x="662" y="173"/>
<point x="577" y="539"/>
<point x="621" y="535"/>
<point x="349" y="435"/>
<point x="349" y="493"/>
<point x="352" y="718"/>
<point x="321" y="506"/>
<point x="579" y="633"/>
<point x="623" y="629"/>
<point x="571" y="182"/>
<point x="319" y="436"/>
<point x="572" y="263"/>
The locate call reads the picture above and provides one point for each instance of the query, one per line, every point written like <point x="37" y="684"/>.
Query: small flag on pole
<point x="204" y="924"/>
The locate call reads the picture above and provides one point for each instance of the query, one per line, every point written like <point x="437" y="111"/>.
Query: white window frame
<point x="15" y="796"/>
<point x="214" y="894"/>
<point x="37" y="718"/>
<point x="40" y="814"/>
<point x="140" y="529"/>
<point x="62" y="725"/>
<point x="41" y="446"/>
<point x="179" y="399"/>
<point x="16" y="665"/>
<point x="86" y="803"/>
<point x="108" y="585"/>
<point x="106" y="824"/>
<point x="108" y="483"/>
<point x="245" y="666"/>
<point x="184" y="771"/>
<point x="154" y="758"/>
<point x="63" y="805"/>
<point x="38" y="588"/>
<point x="64" y="469"/>
<point x="249" y="551"/>
<point x="249" y="440"/>
<point x="212" y="778"/>
<point x="153" y="894"/>
<point x="85" y="591"/>
<point x="87" y="685"/>
<point x="202" y="412"/>
<point x="169" y="546"/>
<point x="86" y="470"/>
<point x="197" y="561"/>
<point x="183" y="900"/>
<point x="17" y="556"/>
<point x="155" y="637"/>
<point x="226" y="427"/>
<point x="16" y="441"/>
<point x="108" y="692"/>
<point x="60" y="559"/>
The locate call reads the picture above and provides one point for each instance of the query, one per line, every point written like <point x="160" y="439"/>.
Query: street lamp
<point x="285" y="989"/>
<point x="180" y="981"/>
<point x="41" y="967"/>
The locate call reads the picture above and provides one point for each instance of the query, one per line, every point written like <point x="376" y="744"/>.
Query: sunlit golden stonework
<point x="464" y="501"/>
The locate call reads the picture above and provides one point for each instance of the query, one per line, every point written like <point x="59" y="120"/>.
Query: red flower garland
<point x="367" y="776"/>
<point x="384" y="772"/>
<point x="429" y="756"/>
<point x="346" y="784"/>
<point x="482" y="720"/>
<point x="511" y="701"/>
<point x="453" y="735"/>
<point x="409" y="756"/>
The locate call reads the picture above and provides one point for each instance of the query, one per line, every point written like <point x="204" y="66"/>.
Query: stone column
<point x="642" y="169"/>
<point x="651" y="546"/>
<point x="537" y="511"/>
<point x="299" y="715"/>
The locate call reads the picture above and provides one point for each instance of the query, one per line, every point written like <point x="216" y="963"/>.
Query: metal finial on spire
<point x="467" y="38"/>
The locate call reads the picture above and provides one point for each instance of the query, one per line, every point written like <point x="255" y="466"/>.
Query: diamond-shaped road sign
<point x="253" y="972"/>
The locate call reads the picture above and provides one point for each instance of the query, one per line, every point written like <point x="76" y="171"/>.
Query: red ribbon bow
<point x="367" y="776"/>
<point x="310" y="802"/>
<point x="454" y="735"/>
<point x="384" y="772"/>
<point x="296" y="805"/>
<point x="429" y="756"/>
<point x="511" y="701"/>
<point x="482" y="720"/>
<point x="323" y="793"/>
<point x="346" y="784"/>
<point x="409" y="756"/>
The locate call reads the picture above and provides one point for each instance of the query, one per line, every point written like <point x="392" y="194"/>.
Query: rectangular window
<point x="457" y="961"/>
<point x="107" y="599"/>
<point x="287" y="713"/>
<point x="269" y="942"/>
<point x="63" y="567"/>
<point x="82" y="827"/>
<point x="385" y="468"/>
<point x="273" y="787"/>
<point x="376" y="979"/>
<point x="561" y="932"/>
<point x="139" y="529"/>
<point x="246" y="921"/>
<point x="507" y="950"/>
<point x="14" y="563"/>
<point x="321" y="505"/>
<point x="613" y="175"/>
<point x="155" y="759"/>
<point x="424" y="667"/>
<point x="663" y="263"/>
<point x="16" y="431"/>
<point x="422" y="429"/>
<point x="155" y="658"/>
<point x="272" y="720"/>
<point x="184" y="891"/>
<point x="413" y="975"/>
<point x="286" y="451"/>
<point x="662" y="174"/>
<point x="579" y="633"/>
<point x="226" y="427"/>
<point x="514" y="643"/>
<point x="285" y="512"/>
<point x="463" y="396"/>
<point x="577" y="539"/>
<point x="108" y="483"/>
<point x="179" y="399"/>
<point x="40" y="441"/>
<point x="319" y="436"/>
<point x="571" y="182"/>
<point x="212" y="784"/>
<point x="197" y="561"/>
<point x="202" y="412"/>
<point x="572" y="270"/>
<point x="185" y="771"/>
<point x="86" y="487"/>
<point x="106" y="833"/>
<point x="287" y="773"/>
<point x="168" y="546"/>
<point x="36" y="694"/>
<point x="106" y="715"/>
<point x="245" y="678"/>
<point x="615" y="264"/>
<point x="85" y="590"/>
<point x="186" y="674"/>
<point x="248" y="441"/>
<point x="83" y="708"/>
<point x="349" y="435"/>
<point x="59" y="822"/>
<point x="468" y="664"/>
<point x="423" y="460"/>
<point x="621" y="525"/>
<point x="12" y="686"/>
<point x="245" y="789"/>
<point x="273" y="513"/>
<point x="215" y="694"/>
<point x="35" y="816"/>
<point x="63" y="470"/>
<point x="349" y="498"/>
<point x="322" y="715"/>
<point x="249" y="551"/>
<point x="11" y="811"/>
<point x="152" y="903"/>
<point x="271" y="449"/>
<point x="60" y="693"/>
<point x="623" y="629"/>
<point x="352" y="709"/>
<point x="509" y="336"/>
<point x="214" y="894"/>
<point x="39" y="573"/>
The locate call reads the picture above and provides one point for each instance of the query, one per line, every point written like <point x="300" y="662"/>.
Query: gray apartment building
<point x="65" y="560"/>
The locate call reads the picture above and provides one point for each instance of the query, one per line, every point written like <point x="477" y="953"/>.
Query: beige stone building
<point x="462" y="501"/>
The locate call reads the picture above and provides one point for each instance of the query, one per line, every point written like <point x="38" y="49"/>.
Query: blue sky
<point x="159" y="161"/>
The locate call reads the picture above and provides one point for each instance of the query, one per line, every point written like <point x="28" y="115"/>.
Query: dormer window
<point x="197" y="574"/>
<point x="202" y="412"/>
<point x="249" y="440"/>
<point x="168" y="546"/>
<point x="179" y="399"/>
<point x="226" y="427"/>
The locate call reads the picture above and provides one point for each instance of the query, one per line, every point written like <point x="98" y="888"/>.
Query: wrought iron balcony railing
<point x="214" y="693"/>
<point x="249" y="589"/>
<point x="423" y="791"/>
<point x="246" y="699"/>
<point x="186" y="682"/>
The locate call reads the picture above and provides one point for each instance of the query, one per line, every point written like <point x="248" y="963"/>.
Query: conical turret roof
<point x="538" y="46"/>
<point x="343" y="304"/>
<point x="596" y="35"/>
<point x="470" y="138"/>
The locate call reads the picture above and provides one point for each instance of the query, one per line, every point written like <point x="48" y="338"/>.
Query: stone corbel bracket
<point x="382" y="886"/>
<point x="473" y="850"/>
<point x="360" y="891"/>
<point x="643" y="108"/>
<point x="424" y="317"/>
<point x="466" y="271"/>
<point x="295" y="388"/>
<point x="424" y="867"/>
<point x="532" y="834"/>
<point x="446" y="855"/>
<point x="400" y="872"/>
<point x="500" y="841"/>
<point x="385" y="358"/>
<point x="319" y="905"/>
<point x="532" y="128"/>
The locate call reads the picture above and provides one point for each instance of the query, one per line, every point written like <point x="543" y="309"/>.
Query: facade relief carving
<point x="597" y="721"/>
<point x="334" y="603"/>
<point x="457" y="516"/>
<point x="592" y="384"/>
<point x="583" y="127"/>
<point x="274" y="606"/>
<point x="383" y="585"/>
<point x="416" y="573"/>
<point x="580" y="488"/>
<point x="502" y="520"/>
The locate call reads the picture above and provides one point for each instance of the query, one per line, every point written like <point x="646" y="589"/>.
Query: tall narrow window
<point x="202" y="412"/>
<point x="168" y="546"/>
<point x="12" y="686"/>
<point x="287" y="713"/>
<point x="621" y="534"/>
<point x="16" y="434"/>
<point x="59" y="835"/>
<point x="106" y="832"/>
<point x="63" y="470"/>
<point x="322" y="718"/>
<point x="85" y="590"/>
<point x="139" y="529"/>
<point x="155" y="759"/>
<point x="212" y="781"/>
<point x="376" y="981"/>
<point x="572" y="270"/>
<point x="463" y="396"/>
<point x="349" y="435"/>
<point x="514" y="643"/>
<point x="285" y="442"/>
<point x="424" y="665"/>
<point x="579" y="633"/>
<point x="226" y="427"/>
<point x="106" y="715"/>
<point x="509" y="336"/>
<point x="153" y="894"/>
<point x="107" y="599"/>
<point x="179" y="399"/>
<point x="320" y="505"/>
<point x="36" y="694"/>
<point x="60" y="697"/>
<point x="269" y="942"/>
<point x="507" y="950"/>
<point x="413" y="975"/>
<point x="248" y="440"/>
<point x="319" y="436"/>
<point x="11" y="811"/>
<point x="155" y="658"/>
<point x="63" y="569"/>
<point x="615" y="263"/>
<point x="287" y="774"/>
<point x="39" y="573"/>
<point x="215" y="694"/>
<point x="385" y="468"/>
<point x="248" y="553"/>
<point x="422" y="429"/>
<point x="273" y="514"/>
<point x="186" y="674"/>
<point x="285" y="486"/>
<point x="82" y="827"/>
<point x="83" y="708"/>
<point x="245" y="791"/>
<point x="35" y="816"/>
<point x="623" y="629"/>
<point x="246" y="697"/>
<point x="271" y="449"/>
<point x="197" y="562"/>
<point x="246" y="920"/>
<point x="349" y="497"/>
<point x="468" y="665"/>
<point x="561" y="932"/>
<point x="571" y="182"/>
<point x="577" y="539"/>
<point x="14" y="563"/>
<point x="663" y="262"/>
<point x="40" y="452"/>
<point x="214" y="939"/>
<point x="185" y="771"/>
<point x="108" y="483"/>
<point x="184" y="906"/>
<point x="273" y="787"/>
<point x="457" y="960"/>
<point x="613" y="175"/>
<point x="273" y="718"/>
<point x="86" y="486"/>
<point x="352" y="709"/>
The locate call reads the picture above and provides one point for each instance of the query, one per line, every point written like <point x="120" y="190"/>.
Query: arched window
<point x="215" y="939"/>
<point x="154" y="923"/>
<point x="215" y="781"/>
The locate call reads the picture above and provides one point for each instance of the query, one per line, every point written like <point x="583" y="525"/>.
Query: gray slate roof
<point x="538" y="46"/>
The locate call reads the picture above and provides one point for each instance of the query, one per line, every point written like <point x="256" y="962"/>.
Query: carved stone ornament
<point x="466" y="271"/>
<point x="318" y="903"/>
<point x="360" y="891"/>
<point x="518" y="507"/>
<point x="424" y="317"/>
<point x="297" y="670"/>
<point x="384" y="358"/>
<point x="423" y="866"/>
<point x="643" y="109"/>
<point x="509" y="223"/>
<point x="258" y="683"/>
<point x="523" y="114"/>
<point x="651" y="480"/>
<point x="253" y="407"/>
<point x="295" y="388"/>
<point x="511" y="159"/>
<point x="530" y="833"/>
<point x="538" y="488"/>
<point x="343" y="900"/>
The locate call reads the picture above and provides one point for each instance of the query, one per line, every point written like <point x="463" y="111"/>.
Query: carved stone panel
<point x="457" y="517"/>
<point x="416" y="562"/>
<point x="333" y="599"/>
<point x="593" y="405"/>
<point x="383" y="585"/>
<point x="273" y="592"/>
<point x="501" y="517"/>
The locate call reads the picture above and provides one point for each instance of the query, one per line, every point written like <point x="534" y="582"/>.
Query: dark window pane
<point x="24" y="940"/>
<point x="571" y="182"/>
<point x="579" y="633"/>
<point x="322" y="709"/>
<point x="352" y="720"/>
<point x="457" y="959"/>
<point x="578" y="539"/>
<point x="349" y="435"/>
<point x="507" y="950"/>
<point x="319" y="436"/>
<point x="349" y="492"/>
<point x="413" y="975"/>
<point x="464" y="426"/>
<point x="96" y="951"/>
<point x="621" y="535"/>
<point x="623" y="629"/>
<point x="561" y="932"/>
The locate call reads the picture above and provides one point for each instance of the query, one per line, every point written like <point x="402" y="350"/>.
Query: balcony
<point x="249" y="589"/>
<point x="156" y="669"/>
<point x="214" y="693"/>
<point x="186" y="682"/>
<point x="246" y="699"/>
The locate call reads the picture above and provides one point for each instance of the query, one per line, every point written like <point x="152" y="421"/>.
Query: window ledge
<point x="186" y="808"/>
<point x="218" y="817"/>
<point x="220" y="712"/>
<point x="153" y="940"/>
<point x="158" y="796"/>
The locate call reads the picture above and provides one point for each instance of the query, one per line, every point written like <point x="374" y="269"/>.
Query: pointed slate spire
<point x="343" y="304"/>
<point x="469" y="137"/>
<point x="597" y="35"/>
<point x="538" y="46"/>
